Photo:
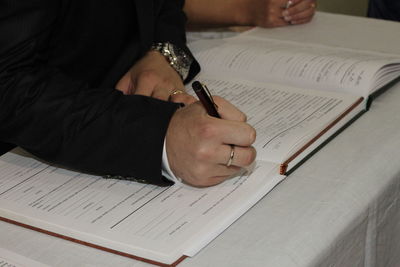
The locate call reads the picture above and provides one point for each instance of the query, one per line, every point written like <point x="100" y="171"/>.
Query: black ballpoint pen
<point x="205" y="98"/>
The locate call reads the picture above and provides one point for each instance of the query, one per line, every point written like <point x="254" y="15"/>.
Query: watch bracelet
<point x="169" y="51"/>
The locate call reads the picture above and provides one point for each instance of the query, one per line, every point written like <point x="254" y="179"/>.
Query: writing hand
<point x="199" y="146"/>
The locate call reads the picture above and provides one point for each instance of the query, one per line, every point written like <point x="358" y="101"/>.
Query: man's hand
<point x="153" y="76"/>
<point x="199" y="146"/>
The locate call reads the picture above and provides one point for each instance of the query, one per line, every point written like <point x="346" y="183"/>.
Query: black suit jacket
<point x="384" y="9"/>
<point x="59" y="63"/>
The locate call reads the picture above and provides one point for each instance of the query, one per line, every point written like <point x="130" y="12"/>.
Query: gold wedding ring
<point x="229" y="163"/>
<point x="177" y="92"/>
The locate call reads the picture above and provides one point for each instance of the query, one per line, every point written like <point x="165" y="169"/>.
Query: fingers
<point x="145" y="83"/>
<point x="272" y="19"/>
<point x="199" y="146"/>
<point x="182" y="98"/>
<point x="162" y="92"/>
<point x="225" y="131"/>
<point x="301" y="11"/>
<point x="214" y="174"/>
<point x="242" y="156"/>
<point x="231" y="128"/>
<point x="152" y="76"/>
<point x="228" y="111"/>
<point x="125" y="85"/>
<point x="236" y="133"/>
<point x="221" y="154"/>
<point x="148" y="83"/>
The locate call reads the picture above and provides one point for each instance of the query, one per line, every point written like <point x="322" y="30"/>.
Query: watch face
<point x="179" y="56"/>
<point x="176" y="57"/>
<point x="181" y="61"/>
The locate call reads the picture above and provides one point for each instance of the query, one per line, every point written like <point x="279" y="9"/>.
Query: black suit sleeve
<point x="170" y="27"/>
<point x="65" y="121"/>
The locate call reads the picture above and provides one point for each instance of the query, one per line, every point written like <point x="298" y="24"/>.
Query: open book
<point x="296" y="95"/>
<point x="158" y="225"/>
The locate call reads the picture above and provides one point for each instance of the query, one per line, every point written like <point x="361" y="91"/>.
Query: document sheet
<point x="254" y="57"/>
<point x="283" y="116"/>
<point x="160" y="223"/>
<point x="11" y="259"/>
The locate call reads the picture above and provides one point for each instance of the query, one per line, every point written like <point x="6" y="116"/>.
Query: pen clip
<point x="209" y="94"/>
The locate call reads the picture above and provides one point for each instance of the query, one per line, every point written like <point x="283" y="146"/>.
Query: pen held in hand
<point x="205" y="98"/>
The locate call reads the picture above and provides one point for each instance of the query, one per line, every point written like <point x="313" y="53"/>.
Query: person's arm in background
<point x="263" y="13"/>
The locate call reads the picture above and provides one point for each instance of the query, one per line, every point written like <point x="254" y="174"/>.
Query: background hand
<point x="265" y="13"/>
<point x="301" y="11"/>
<point x="153" y="76"/>
<point x="198" y="145"/>
<point x="272" y="13"/>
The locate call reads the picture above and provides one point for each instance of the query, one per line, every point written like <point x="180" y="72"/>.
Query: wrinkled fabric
<point x="384" y="9"/>
<point x="59" y="63"/>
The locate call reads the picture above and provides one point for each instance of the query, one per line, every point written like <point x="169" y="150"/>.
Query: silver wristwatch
<point x="177" y="57"/>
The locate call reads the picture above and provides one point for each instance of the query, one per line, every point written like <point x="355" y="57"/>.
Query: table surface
<point x="340" y="208"/>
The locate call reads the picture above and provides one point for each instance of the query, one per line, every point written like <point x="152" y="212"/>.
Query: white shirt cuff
<point x="165" y="169"/>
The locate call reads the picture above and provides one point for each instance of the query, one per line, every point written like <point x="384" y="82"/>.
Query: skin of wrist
<point x="161" y="59"/>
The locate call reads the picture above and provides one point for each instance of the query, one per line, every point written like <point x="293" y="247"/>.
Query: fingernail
<point x="287" y="18"/>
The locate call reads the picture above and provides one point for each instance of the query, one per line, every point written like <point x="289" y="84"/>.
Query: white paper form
<point x="301" y="65"/>
<point x="160" y="223"/>
<point x="283" y="116"/>
<point x="11" y="259"/>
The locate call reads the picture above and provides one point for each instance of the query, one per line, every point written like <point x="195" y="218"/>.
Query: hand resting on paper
<point x="199" y="146"/>
<point x="263" y="13"/>
<point x="299" y="12"/>
<point x="153" y="76"/>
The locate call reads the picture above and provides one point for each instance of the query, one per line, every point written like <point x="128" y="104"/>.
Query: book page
<point x="318" y="67"/>
<point x="11" y="259"/>
<point x="158" y="223"/>
<point x="284" y="117"/>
